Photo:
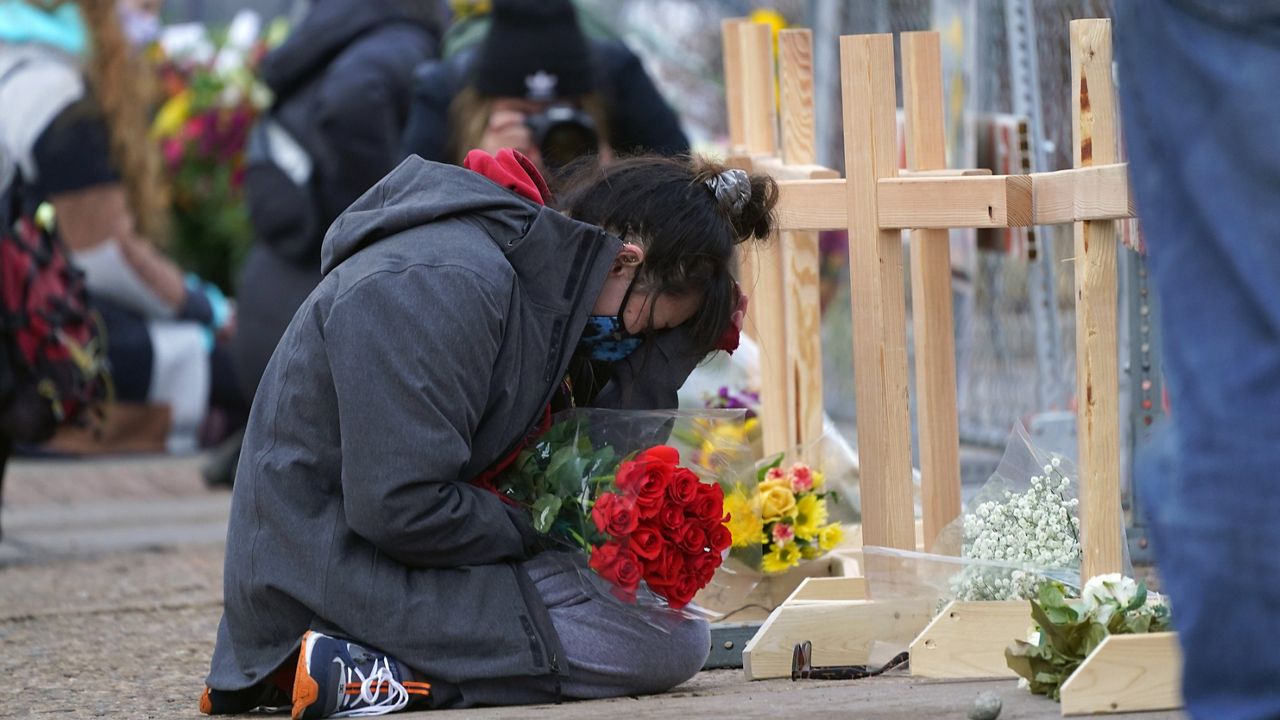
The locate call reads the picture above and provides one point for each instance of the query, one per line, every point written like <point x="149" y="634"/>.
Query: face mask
<point x="139" y="27"/>
<point x="605" y="338"/>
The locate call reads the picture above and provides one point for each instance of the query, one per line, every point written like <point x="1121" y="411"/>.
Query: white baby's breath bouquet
<point x="1021" y="530"/>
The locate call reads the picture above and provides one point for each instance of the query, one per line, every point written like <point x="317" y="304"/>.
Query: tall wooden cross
<point x="876" y="202"/>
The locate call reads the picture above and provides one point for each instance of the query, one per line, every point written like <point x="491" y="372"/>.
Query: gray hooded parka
<point x="446" y="317"/>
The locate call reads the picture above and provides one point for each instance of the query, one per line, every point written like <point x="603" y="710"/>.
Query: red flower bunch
<point x="661" y="524"/>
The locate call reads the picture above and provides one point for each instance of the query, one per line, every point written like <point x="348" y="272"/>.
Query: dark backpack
<point x="53" y="360"/>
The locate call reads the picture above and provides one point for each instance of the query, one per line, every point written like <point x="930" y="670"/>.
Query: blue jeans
<point x="1200" y="99"/>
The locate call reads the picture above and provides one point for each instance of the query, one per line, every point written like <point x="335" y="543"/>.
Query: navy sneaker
<point x="336" y="678"/>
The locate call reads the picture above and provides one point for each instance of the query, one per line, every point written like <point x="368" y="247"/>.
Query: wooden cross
<point x="875" y="202"/>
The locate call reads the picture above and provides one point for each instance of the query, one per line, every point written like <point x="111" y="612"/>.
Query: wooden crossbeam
<point x="1094" y="132"/>
<point x="938" y="424"/>
<point x="944" y="172"/>
<point x="783" y="171"/>
<point x="943" y="201"/>
<point x="992" y="201"/>
<point x="876" y="285"/>
<point x="812" y="205"/>
<point x="1100" y="192"/>
<point x="1089" y="193"/>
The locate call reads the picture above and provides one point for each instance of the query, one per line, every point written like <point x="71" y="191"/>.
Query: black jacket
<point x="639" y="119"/>
<point x="342" y="84"/>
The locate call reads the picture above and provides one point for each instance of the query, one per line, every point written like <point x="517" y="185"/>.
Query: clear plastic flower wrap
<point x="1019" y="531"/>
<point x="641" y="496"/>
<point x="783" y="524"/>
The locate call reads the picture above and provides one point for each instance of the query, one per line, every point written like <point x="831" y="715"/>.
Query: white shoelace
<point x="397" y="696"/>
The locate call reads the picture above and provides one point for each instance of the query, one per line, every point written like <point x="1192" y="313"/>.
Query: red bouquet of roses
<point x="641" y="518"/>
<point x="659" y="523"/>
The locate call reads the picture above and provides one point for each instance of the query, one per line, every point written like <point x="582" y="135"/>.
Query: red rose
<point x="672" y="516"/>
<point x="668" y="566"/>
<point x="647" y="542"/>
<point x="679" y="593"/>
<point x="705" y="566"/>
<point x="618" y="565"/>
<point x="719" y="538"/>
<point x="661" y="453"/>
<point x="614" y="515"/>
<point x="708" y="507"/>
<point x="646" y="481"/>
<point x="684" y="486"/>
<point x="693" y="539"/>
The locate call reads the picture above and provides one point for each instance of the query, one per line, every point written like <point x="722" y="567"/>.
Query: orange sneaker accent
<point x="306" y="691"/>
<point x="206" y="703"/>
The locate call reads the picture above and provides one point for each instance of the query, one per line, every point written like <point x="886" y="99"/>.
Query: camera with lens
<point x="563" y="133"/>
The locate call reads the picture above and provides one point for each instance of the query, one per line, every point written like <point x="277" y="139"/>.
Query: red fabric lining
<point x="512" y="171"/>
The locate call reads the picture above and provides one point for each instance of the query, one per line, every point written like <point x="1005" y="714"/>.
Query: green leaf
<point x="1052" y="596"/>
<point x="1092" y="637"/>
<point x="763" y="470"/>
<point x="545" y="510"/>
<point x="1139" y="598"/>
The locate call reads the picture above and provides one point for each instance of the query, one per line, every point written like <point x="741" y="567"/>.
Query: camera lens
<point x="563" y="133"/>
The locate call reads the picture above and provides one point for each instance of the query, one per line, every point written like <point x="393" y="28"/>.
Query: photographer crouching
<point x="537" y="84"/>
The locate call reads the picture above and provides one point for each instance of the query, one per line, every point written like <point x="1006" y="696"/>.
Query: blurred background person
<point x="342" y="83"/>
<point x="75" y="101"/>
<point x="1200" y="122"/>
<point x="534" y="82"/>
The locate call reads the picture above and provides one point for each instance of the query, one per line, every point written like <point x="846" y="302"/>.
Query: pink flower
<point x="774" y="474"/>
<point x="783" y="533"/>
<point x="801" y="478"/>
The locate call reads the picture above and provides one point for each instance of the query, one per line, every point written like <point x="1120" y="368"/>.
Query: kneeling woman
<point x="452" y="315"/>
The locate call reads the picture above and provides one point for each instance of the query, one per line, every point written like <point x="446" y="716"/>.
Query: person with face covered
<point x="368" y="567"/>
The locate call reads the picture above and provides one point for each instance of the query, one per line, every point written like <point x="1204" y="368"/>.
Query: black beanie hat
<point x="534" y="50"/>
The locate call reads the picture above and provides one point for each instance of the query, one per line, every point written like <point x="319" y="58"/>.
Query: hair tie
<point x="732" y="189"/>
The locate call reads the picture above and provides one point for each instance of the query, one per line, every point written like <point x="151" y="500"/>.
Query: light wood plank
<point x="945" y="172"/>
<point x="1127" y="673"/>
<point x="942" y="201"/>
<point x="879" y="303"/>
<point x="777" y="417"/>
<point x="781" y="171"/>
<point x="992" y="201"/>
<point x="842" y="633"/>
<point x="1100" y="192"/>
<point x="968" y="639"/>
<point x="938" y="420"/>
<point x="827" y="589"/>
<point x="731" y="45"/>
<point x="759" y="105"/>
<point x="746" y="253"/>
<point x="800" y="257"/>
<point x="812" y="205"/>
<point x="1097" y="372"/>
<point x="795" y="73"/>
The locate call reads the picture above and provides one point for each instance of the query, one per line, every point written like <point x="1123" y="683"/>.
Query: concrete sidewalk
<point x="110" y="595"/>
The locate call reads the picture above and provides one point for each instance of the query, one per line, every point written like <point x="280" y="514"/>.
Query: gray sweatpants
<point x="610" y="649"/>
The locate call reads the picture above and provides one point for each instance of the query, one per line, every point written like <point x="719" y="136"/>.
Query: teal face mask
<point x="605" y="338"/>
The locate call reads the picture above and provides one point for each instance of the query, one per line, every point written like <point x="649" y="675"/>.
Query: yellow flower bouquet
<point x="785" y="516"/>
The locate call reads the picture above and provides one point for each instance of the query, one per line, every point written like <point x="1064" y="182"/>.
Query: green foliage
<point x="1069" y="630"/>
<point x="559" y="466"/>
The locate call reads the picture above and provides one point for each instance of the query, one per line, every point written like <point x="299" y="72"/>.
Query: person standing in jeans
<point x="1198" y="81"/>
